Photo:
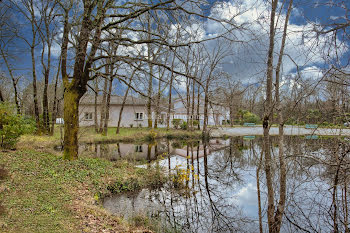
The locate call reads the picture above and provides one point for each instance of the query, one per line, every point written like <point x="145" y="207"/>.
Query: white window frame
<point x="139" y="116"/>
<point x="138" y="148"/>
<point x="88" y="116"/>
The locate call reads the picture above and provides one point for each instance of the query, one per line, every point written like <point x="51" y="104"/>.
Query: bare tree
<point x="124" y="100"/>
<point x="28" y="9"/>
<point x="55" y="101"/>
<point x="274" y="215"/>
<point x="13" y="78"/>
<point x="47" y="34"/>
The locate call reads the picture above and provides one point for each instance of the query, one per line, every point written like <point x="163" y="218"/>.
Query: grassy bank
<point x="136" y="134"/>
<point x="44" y="193"/>
<point x="88" y="135"/>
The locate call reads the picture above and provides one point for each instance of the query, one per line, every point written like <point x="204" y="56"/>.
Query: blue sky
<point x="250" y="58"/>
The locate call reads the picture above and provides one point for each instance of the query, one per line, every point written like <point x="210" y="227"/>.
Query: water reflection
<point x="225" y="178"/>
<point x="149" y="151"/>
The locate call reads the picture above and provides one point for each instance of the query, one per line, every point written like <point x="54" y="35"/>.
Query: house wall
<point x="128" y="116"/>
<point x="215" y="115"/>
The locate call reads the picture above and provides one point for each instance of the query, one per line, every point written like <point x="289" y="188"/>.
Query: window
<point x="138" y="148"/>
<point x="88" y="116"/>
<point x="139" y="116"/>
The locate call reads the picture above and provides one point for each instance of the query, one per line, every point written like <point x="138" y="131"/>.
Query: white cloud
<point x="303" y="46"/>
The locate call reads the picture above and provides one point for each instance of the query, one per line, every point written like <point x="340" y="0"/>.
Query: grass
<point x="44" y="193"/>
<point x="134" y="134"/>
<point x="45" y="143"/>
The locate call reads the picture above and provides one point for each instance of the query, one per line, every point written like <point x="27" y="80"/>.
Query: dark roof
<point x="115" y="99"/>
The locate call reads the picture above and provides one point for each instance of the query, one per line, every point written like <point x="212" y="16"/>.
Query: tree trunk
<point x="150" y="80"/>
<point x="258" y="189"/>
<point x="170" y="89"/>
<point x="95" y="105"/>
<point x="71" y="123"/>
<point x="55" y="107"/>
<point x="18" y="107"/>
<point x="14" y="81"/>
<point x="188" y="102"/>
<point x="122" y="108"/>
<point x="157" y="103"/>
<point x="206" y="104"/>
<point x="149" y="102"/>
<point x="32" y="52"/>
<point x="283" y="171"/>
<point x="105" y="128"/>
<point x="124" y="101"/>
<point x="1" y="96"/>
<point x="46" y="118"/>
<point x="35" y="95"/>
<point x="198" y="102"/>
<point x="193" y="101"/>
<point x="266" y="122"/>
<point x="103" y="104"/>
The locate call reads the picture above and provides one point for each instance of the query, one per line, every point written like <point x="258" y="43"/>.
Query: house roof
<point x="115" y="99"/>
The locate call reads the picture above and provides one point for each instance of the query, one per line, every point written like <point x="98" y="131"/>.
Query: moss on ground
<point x="44" y="193"/>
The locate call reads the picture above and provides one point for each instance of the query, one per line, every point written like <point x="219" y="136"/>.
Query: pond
<point x="220" y="186"/>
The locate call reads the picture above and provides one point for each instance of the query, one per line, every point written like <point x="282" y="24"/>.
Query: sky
<point x="247" y="62"/>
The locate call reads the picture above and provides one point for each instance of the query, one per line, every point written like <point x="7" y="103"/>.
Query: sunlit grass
<point x="47" y="194"/>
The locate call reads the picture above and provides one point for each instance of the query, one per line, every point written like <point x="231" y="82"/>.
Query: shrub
<point x="176" y="123"/>
<point x="28" y="125"/>
<point x="184" y="125"/>
<point x="250" y="117"/>
<point x="151" y="136"/>
<point x="193" y="122"/>
<point x="12" y="126"/>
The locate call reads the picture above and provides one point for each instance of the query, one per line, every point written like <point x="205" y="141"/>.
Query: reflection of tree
<point x="318" y="184"/>
<point x="207" y="205"/>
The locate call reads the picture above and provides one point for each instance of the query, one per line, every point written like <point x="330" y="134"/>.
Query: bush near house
<point x="245" y="116"/>
<point x="176" y="123"/>
<point x="12" y="126"/>
<point x="249" y="117"/>
<point x="183" y="125"/>
<point x="194" y="122"/>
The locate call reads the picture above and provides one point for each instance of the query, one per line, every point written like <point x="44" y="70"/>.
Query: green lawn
<point x="44" y="193"/>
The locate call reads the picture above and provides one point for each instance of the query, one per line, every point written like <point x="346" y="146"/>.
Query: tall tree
<point x="274" y="214"/>
<point x="47" y="34"/>
<point x="28" y="9"/>
<point x="13" y="78"/>
<point x="94" y="13"/>
<point x="55" y="100"/>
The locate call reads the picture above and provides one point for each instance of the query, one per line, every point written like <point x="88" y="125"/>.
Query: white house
<point x="135" y="112"/>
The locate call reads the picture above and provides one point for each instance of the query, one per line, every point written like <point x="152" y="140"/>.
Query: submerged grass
<point x="44" y="193"/>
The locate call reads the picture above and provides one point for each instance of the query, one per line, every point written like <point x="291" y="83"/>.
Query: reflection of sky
<point x="242" y="194"/>
<point x="231" y="198"/>
<point x="233" y="192"/>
